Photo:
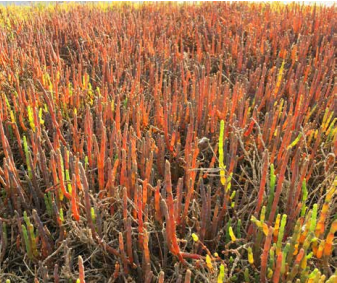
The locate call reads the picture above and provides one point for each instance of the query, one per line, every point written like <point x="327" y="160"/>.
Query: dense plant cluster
<point x="168" y="143"/>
